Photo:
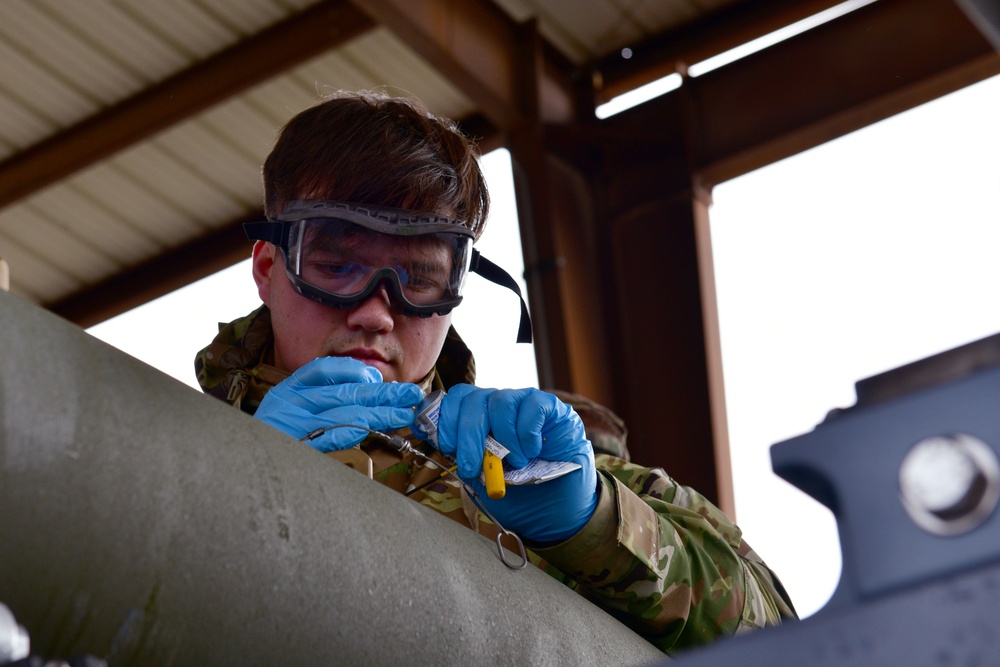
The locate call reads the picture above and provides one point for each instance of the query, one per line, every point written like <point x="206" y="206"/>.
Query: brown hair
<point x="370" y="148"/>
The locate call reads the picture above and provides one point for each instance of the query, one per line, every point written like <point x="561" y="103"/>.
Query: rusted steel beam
<point x="249" y="62"/>
<point x="156" y="277"/>
<point x="839" y="77"/>
<point x="517" y="84"/>
<point x="475" y="45"/>
<point x="535" y="207"/>
<point x="716" y="33"/>
<point x="861" y="68"/>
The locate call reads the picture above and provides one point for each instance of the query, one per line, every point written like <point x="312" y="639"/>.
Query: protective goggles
<point x="340" y="254"/>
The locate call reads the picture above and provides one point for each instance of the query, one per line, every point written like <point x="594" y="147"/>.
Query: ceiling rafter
<point x="475" y="45"/>
<point x="863" y="67"/>
<point x="233" y="70"/>
<point x="727" y="29"/>
<point x="160" y="275"/>
<point x="856" y="70"/>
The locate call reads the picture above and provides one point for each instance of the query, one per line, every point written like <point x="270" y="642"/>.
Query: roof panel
<point x="220" y="163"/>
<point x="251" y="16"/>
<point x="279" y="99"/>
<point x="555" y="18"/>
<point x="58" y="47"/>
<point x="328" y="74"/>
<point x="581" y="33"/>
<point x="385" y="61"/>
<point x="94" y="221"/>
<point x="135" y="204"/>
<point x="30" y="276"/>
<point x="176" y="184"/>
<point x="121" y="37"/>
<point x="76" y="257"/>
<point x="20" y="127"/>
<point x="40" y="90"/>
<point x="183" y="24"/>
<point x="249" y="122"/>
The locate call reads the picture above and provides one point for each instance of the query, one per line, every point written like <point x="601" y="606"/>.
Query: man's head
<point x="363" y="149"/>
<point x="367" y="148"/>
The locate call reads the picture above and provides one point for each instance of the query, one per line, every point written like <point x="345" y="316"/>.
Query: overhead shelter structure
<point x="131" y="136"/>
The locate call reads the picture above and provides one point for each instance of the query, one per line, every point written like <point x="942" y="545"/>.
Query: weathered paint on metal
<point x="145" y="523"/>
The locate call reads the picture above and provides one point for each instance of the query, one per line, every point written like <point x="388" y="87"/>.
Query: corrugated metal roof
<point x="64" y="62"/>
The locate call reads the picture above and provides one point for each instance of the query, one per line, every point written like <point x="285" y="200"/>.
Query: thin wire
<point x="403" y="445"/>
<point x="444" y="473"/>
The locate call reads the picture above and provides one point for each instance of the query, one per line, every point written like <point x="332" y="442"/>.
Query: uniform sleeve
<point x="665" y="561"/>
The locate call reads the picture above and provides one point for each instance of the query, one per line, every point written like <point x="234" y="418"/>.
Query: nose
<point x="374" y="314"/>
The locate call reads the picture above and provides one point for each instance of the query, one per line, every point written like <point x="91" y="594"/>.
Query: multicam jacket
<point x="656" y="555"/>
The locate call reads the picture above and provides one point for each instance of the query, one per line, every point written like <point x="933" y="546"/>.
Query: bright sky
<point x="861" y="255"/>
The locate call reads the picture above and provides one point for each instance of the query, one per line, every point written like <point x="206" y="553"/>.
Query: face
<point x="402" y="348"/>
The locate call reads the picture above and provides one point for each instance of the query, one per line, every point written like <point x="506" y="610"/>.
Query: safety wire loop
<point x="403" y="445"/>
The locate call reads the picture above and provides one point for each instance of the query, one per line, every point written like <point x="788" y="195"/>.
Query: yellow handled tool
<point x="425" y="427"/>
<point x="496" y="487"/>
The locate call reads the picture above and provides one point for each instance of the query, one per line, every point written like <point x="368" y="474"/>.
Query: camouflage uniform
<point x="656" y="555"/>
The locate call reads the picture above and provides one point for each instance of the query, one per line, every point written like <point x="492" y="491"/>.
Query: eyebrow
<point x="355" y="239"/>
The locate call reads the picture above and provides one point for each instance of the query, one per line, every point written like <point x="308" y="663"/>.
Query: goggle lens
<point x="347" y="261"/>
<point x="338" y="254"/>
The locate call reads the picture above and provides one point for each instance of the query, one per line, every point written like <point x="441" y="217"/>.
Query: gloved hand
<point x="531" y="424"/>
<point x="338" y="390"/>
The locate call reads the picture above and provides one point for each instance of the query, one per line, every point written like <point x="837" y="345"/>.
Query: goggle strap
<point x="266" y="230"/>
<point x="497" y="275"/>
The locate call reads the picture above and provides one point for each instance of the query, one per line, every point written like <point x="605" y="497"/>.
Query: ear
<point x="263" y="263"/>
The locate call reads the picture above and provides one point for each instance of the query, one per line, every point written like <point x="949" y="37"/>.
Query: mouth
<point x="366" y="356"/>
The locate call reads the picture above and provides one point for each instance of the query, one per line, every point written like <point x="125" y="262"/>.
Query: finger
<point x="504" y="408"/>
<point x="388" y="419"/>
<point x="448" y="419"/>
<point x="537" y="412"/>
<point x="473" y="427"/>
<point x="377" y="419"/>
<point x="385" y="394"/>
<point x="335" y="370"/>
<point x="318" y="399"/>
<point x="564" y="434"/>
<point x="353" y="426"/>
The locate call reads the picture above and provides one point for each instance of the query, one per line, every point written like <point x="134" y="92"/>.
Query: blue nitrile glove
<point x="531" y="424"/>
<point x="338" y="390"/>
